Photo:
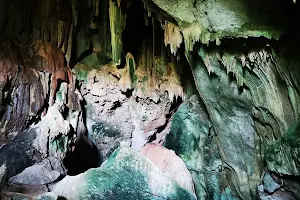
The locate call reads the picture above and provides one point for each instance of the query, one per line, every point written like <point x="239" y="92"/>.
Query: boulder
<point x="125" y="175"/>
<point x="49" y="137"/>
<point x="45" y="172"/>
<point x="269" y="184"/>
<point x="170" y="164"/>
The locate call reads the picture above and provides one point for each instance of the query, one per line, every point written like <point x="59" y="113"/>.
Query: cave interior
<point x="149" y="99"/>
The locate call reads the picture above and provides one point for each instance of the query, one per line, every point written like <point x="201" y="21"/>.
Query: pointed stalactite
<point x="192" y="34"/>
<point x="173" y="37"/>
<point x="117" y="24"/>
<point x="69" y="44"/>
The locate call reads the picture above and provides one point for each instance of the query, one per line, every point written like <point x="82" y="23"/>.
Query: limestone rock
<point x="282" y="156"/>
<point x="125" y="175"/>
<point x="170" y="164"/>
<point x="43" y="173"/>
<point x="46" y="196"/>
<point x="269" y="184"/>
<point x="49" y="137"/>
<point x="17" y="109"/>
<point x="115" y="118"/>
<point x="210" y="20"/>
<point x="191" y="138"/>
<point x="25" y="189"/>
<point x="19" y="196"/>
<point x="238" y="115"/>
<point x="53" y="133"/>
<point x="15" y="196"/>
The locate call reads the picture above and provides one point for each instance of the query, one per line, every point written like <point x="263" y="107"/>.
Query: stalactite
<point x="229" y="62"/>
<point x="119" y="3"/>
<point x="146" y="18"/>
<point x="95" y="6"/>
<point x="117" y="20"/>
<point x="69" y="48"/>
<point x="291" y="79"/>
<point x="60" y="33"/>
<point x="267" y="93"/>
<point x="192" y="34"/>
<point x="173" y="37"/>
<point x="55" y="66"/>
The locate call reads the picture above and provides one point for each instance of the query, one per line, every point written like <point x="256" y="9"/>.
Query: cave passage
<point x="82" y="158"/>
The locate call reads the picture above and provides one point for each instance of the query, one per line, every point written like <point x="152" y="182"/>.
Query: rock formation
<point x="149" y="99"/>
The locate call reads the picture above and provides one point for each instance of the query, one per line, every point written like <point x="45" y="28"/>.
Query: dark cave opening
<point x="85" y="155"/>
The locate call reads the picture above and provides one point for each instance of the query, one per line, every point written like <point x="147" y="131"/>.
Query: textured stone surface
<point x="211" y="20"/>
<point x="191" y="137"/>
<point x="25" y="189"/>
<point x="39" y="174"/>
<point x="23" y="91"/>
<point x="125" y="175"/>
<point x="282" y="156"/>
<point x="170" y="164"/>
<point x="289" y="187"/>
<point x="269" y="184"/>
<point x="18" y="196"/>
<point x="52" y="137"/>
<point x="116" y="118"/>
<point x="236" y="91"/>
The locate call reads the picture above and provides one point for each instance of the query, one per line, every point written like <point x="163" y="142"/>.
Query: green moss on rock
<point x="125" y="175"/>
<point x="283" y="155"/>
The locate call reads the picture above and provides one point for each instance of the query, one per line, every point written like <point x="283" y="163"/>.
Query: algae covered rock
<point x="192" y="138"/>
<point x="283" y="155"/>
<point x="125" y="175"/>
